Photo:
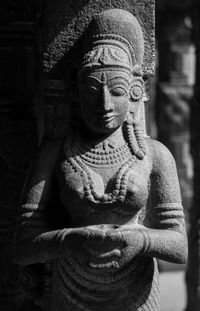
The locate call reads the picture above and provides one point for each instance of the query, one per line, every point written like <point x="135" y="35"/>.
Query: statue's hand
<point x="129" y="242"/>
<point x="114" y="246"/>
<point x="101" y="244"/>
<point x="73" y="241"/>
<point x="134" y="243"/>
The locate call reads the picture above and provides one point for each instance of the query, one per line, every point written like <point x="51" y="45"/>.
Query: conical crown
<point x="114" y="37"/>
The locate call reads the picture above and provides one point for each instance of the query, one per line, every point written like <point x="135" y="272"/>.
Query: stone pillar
<point x="18" y="139"/>
<point x="193" y="270"/>
<point x="175" y="87"/>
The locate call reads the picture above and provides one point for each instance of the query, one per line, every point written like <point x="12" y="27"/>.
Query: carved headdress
<point x="114" y="38"/>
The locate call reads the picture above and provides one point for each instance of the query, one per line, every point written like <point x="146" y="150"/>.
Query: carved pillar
<point x="193" y="271"/>
<point x="18" y="139"/>
<point x="175" y="86"/>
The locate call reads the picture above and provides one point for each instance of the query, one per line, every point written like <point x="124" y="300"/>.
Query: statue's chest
<point x="121" y="186"/>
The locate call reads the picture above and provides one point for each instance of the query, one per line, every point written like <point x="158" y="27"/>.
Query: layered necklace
<point x="103" y="155"/>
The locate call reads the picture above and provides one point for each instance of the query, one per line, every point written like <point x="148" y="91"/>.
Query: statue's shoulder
<point x="160" y="156"/>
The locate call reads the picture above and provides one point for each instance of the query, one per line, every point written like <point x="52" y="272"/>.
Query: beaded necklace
<point x="97" y="156"/>
<point x="79" y="158"/>
<point x="119" y="192"/>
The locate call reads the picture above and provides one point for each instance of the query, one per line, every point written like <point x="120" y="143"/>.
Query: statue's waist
<point x="80" y="207"/>
<point x="76" y="285"/>
<point x="133" y="272"/>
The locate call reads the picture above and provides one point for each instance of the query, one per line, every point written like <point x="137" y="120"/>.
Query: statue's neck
<point x="114" y="140"/>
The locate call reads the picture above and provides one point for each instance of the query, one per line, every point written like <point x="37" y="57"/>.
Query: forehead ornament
<point x="110" y="50"/>
<point x="114" y="38"/>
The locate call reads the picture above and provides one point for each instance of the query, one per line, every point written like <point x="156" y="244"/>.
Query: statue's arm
<point x="166" y="238"/>
<point x="34" y="240"/>
<point x="162" y="233"/>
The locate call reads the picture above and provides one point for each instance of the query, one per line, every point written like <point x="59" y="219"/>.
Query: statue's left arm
<point x="166" y="239"/>
<point x="163" y="234"/>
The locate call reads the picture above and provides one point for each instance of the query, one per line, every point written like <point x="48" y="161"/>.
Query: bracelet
<point x="146" y="242"/>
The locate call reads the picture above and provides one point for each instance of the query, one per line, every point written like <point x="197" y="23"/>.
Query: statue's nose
<point x="105" y="102"/>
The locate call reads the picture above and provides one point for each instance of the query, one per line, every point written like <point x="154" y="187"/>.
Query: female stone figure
<point x="119" y="191"/>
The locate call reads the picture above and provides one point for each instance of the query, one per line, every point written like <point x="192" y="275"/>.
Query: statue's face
<point x="104" y="99"/>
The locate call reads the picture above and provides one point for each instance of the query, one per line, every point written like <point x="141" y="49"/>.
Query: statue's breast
<point x="137" y="191"/>
<point x="83" y="192"/>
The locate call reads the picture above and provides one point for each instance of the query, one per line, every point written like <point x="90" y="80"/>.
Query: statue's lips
<point x="106" y="117"/>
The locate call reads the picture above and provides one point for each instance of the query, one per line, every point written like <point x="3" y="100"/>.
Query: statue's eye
<point x="91" y="90"/>
<point x="118" y="91"/>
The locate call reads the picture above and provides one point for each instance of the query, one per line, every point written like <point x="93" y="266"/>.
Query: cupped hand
<point x="75" y="240"/>
<point x="131" y="241"/>
<point x="103" y="243"/>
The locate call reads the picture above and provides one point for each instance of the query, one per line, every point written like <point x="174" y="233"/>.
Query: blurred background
<point x="173" y="118"/>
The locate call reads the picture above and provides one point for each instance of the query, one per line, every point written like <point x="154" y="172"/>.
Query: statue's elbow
<point x="179" y="251"/>
<point x="182" y="255"/>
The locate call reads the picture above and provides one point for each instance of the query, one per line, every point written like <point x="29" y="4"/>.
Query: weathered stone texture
<point x="65" y="22"/>
<point x="103" y="202"/>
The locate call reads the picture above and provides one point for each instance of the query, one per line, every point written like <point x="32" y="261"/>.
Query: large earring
<point x="136" y="91"/>
<point x="129" y="118"/>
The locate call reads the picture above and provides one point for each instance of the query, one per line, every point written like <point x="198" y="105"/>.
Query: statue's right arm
<point x="34" y="240"/>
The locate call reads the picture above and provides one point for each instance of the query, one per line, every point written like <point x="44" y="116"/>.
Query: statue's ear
<point x="136" y="91"/>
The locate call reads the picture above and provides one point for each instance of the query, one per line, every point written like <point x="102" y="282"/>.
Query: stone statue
<point x="120" y="199"/>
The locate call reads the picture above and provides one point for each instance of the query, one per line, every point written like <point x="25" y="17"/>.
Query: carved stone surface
<point x="193" y="269"/>
<point x="103" y="202"/>
<point x="65" y="22"/>
<point x="64" y="25"/>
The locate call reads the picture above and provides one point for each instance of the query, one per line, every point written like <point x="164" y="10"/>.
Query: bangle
<point x="146" y="242"/>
